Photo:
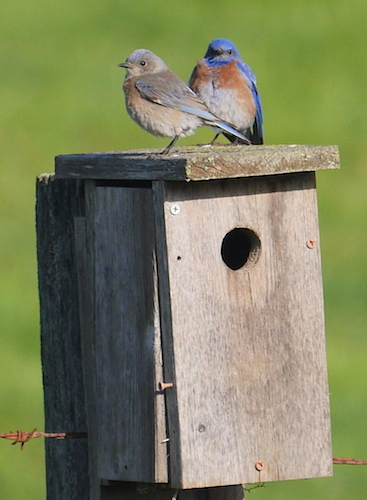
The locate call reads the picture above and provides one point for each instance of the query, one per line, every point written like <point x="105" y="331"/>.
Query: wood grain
<point x="83" y="258"/>
<point x="247" y="346"/>
<point x="125" y="405"/>
<point x="66" y="251"/>
<point x="198" y="163"/>
<point x="58" y="202"/>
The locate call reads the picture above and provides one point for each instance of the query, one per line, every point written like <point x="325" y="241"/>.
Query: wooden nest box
<point x="201" y="313"/>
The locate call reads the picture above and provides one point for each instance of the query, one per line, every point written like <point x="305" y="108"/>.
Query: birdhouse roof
<point x="198" y="163"/>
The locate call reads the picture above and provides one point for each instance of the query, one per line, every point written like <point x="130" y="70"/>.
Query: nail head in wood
<point x="165" y="385"/>
<point x="260" y="465"/>
<point x="311" y="243"/>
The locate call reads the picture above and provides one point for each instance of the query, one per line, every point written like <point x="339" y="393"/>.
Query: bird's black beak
<point x="124" y="65"/>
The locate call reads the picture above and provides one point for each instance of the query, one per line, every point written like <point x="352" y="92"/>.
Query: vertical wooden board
<point x="84" y="261"/>
<point x="129" y="410"/>
<point x="248" y="346"/>
<point x="58" y="202"/>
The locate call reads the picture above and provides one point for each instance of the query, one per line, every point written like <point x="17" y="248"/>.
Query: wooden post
<point x="58" y="202"/>
<point x="160" y="299"/>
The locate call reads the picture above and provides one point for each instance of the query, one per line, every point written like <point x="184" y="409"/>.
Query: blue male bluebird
<point x="228" y="87"/>
<point x="162" y="104"/>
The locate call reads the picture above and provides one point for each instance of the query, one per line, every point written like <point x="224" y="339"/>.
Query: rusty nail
<point x="311" y="243"/>
<point x="260" y="465"/>
<point x="165" y="385"/>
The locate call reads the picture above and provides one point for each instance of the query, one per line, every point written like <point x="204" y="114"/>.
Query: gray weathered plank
<point x="129" y="437"/>
<point x="247" y="346"/>
<point x="198" y="163"/>
<point x="84" y="258"/>
<point x="58" y="202"/>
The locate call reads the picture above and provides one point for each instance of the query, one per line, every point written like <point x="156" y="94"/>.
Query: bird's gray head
<point x="143" y="61"/>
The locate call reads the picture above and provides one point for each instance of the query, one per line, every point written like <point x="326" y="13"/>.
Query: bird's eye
<point x="142" y="63"/>
<point x="230" y="52"/>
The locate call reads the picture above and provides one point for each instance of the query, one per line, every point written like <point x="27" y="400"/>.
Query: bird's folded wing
<point x="257" y="135"/>
<point x="168" y="90"/>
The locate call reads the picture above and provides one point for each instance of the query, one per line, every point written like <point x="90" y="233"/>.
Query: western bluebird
<point x="162" y="104"/>
<point x="228" y="87"/>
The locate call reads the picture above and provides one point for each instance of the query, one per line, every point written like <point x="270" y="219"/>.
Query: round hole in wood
<point x="240" y="248"/>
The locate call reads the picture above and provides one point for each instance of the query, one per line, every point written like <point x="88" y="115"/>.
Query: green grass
<point x="61" y="93"/>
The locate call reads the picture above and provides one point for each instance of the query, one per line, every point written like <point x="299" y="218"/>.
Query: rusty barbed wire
<point x="23" y="437"/>
<point x="349" y="461"/>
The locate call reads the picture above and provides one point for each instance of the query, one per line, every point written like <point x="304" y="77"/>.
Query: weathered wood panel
<point x="122" y="350"/>
<point x="66" y="250"/>
<point x="197" y="163"/>
<point x="58" y="202"/>
<point x="247" y="346"/>
<point x="84" y="258"/>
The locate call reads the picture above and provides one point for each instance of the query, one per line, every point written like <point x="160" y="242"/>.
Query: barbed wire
<point x="22" y="437"/>
<point x="348" y="461"/>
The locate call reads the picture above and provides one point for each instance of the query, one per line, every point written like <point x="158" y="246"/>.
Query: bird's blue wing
<point x="245" y="68"/>
<point x="201" y="113"/>
<point x="257" y="135"/>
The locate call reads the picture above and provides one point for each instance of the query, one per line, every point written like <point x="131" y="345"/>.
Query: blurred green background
<point x="61" y="93"/>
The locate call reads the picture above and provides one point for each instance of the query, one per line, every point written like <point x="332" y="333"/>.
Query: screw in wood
<point x="175" y="209"/>
<point x="165" y="385"/>
<point x="311" y="243"/>
<point x="260" y="465"/>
